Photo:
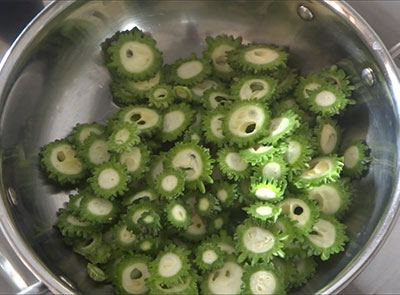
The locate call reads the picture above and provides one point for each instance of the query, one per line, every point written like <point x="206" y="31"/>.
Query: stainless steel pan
<point x="53" y="77"/>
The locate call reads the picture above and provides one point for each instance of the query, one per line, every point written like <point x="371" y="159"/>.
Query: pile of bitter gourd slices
<point x="221" y="173"/>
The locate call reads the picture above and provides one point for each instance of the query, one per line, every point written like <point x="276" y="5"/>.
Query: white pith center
<point x="160" y="94"/>
<point x="179" y="213"/>
<point x="86" y="132"/>
<point x="145" y="246"/>
<point x="202" y="87"/>
<point x="75" y="221"/>
<point x="218" y="57"/>
<point x="189" y="161"/>
<point x="122" y="136"/>
<point x="148" y="117"/>
<point x="172" y="121"/>
<point x="245" y="117"/>
<point x="351" y="157"/>
<point x="310" y="87"/>
<point x="197" y="228"/>
<point x="141" y="195"/>
<point x="328" y="198"/>
<point x="326" y="234"/>
<point x="226" y="280"/>
<point x="264" y="210"/>
<point x="226" y="248"/>
<point x="216" y="126"/>
<point x="138" y="214"/>
<point x="108" y="178"/>
<point x="204" y="204"/>
<point x="135" y="286"/>
<point x="254" y="89"/>
<point x="258" y="240"/>
<point x="289" y="207"/>
<point x="260" y="149"/>
<point x="98" y="152"/>
<point x="325" y="98"/>
<point x="63" y="159"/>
<point x="261" y="56"/>
<point x="209" y="256"/>
<point x="158" y="168"/>
<point x="189" y="69"/>
<point x="293" y="152"/>
<point x="265" y="193"/>
<point x="278" y="125"/>
<point x="169" y="183"/>
<point x="126" y="236"/>
<point x="328" y="138"/>
<point x="136" y="57"/>
<point x="318" y="168"/>
<point x="222" y="195"/>
<point x="218" y="223"/>
<point x="170" y="264"/>
<point x="235" y="162"/>
<point x="271" y="170"/>
<point x="131" y="159"/>
<point x="99" y="206"/>
<point x="214" y="103"/>
<point x="146" y="84"/>
<point x="263" y="282"/>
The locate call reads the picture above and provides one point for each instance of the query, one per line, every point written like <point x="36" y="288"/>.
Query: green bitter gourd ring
<point x="183" y="93"/>
<point x="123" y="238"/>
<point x="212" y="127"/>
<point x="225" y="192"/>
<point x="327" y="100"/>
<point x="175" y="121"/>
<point x="262" y="279"/>
<point x="216" y="53"/>
<point x="258" y="153"/>
<point x="195" y="161"/>
<point x="71" y="226"/>
<point x="135" y="160"/>
<point x="96" y="273"/>
<point x="267" y="190"/>
<point x="216" y="97"/>
<point x="171" y="265"/>
<point x="190" y="71"/>
<point x="332" y="198"/>
<point x="178" y="214"/>
<point x="300" y="210"/>
<point x="146" y="193"/>
<point x="263" y="211"/>
<point x="327" y="237"/>
<point x="207" y="205"/>
<point x="257" y="58"/>
<point x="131" y="275"/>
<point x="94" y="151"/>
<point x="273" y="169"/>
<point x="170" y="183"/>
<point x="98" y="210"/>
<point x="123" y="137"/>
<point x="209" y="256"/>
<point x="187" y="286"/>
<point x="160" y="96"/>
<point x="135" y="56"/>
<point x="256" y="242"/>
<point x="322" y="170"/>
<point x="82" y="131"/>
<point x="328" y="135"/>
<point x="61" y="164"/>
<point x="232" y="164"/>
<point x="281" y="127"/>
<point x="148" y="119"/>
<point x="136" y="211"/>
<point x="356" y="159"/>
<point x="246" y="122"/>
<point x="260" y="88"/>
<point x="109" y="180"/>
<point x="224" y="280"/>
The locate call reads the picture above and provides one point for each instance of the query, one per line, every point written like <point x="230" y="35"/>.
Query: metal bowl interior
<point x="55" y="78"/>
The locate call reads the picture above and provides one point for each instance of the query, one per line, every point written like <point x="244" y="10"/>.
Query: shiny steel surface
<point x="54" y="77"/>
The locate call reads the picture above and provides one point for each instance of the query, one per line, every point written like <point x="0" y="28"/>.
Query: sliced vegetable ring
<point x="257" y="58"/>
<point x="246" y="122"/>
<point x="259" y="88"/>
<point x="190" y="71"/>
<point x="356" y="159"/>
<point x="175" y="120"/>
<point x="262" y="279"/>
<point x="123" y="138"/>
<point x="170" y="183"/>
<point x="232" y="164"/>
